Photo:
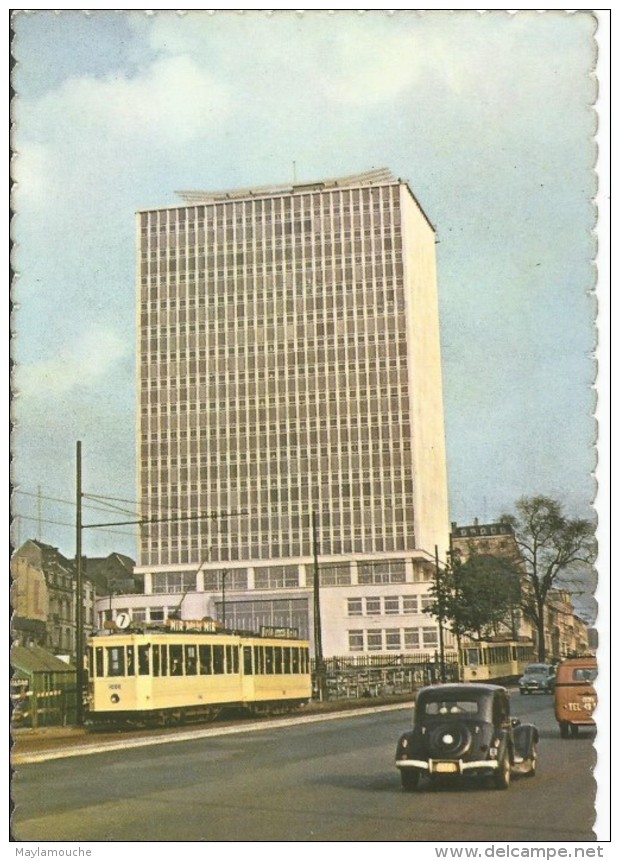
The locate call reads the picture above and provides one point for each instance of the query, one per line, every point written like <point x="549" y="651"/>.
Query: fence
<point x="35" y="708"/>
<point x="378" y="675"/>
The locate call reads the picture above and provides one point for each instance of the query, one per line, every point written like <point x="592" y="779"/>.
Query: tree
<point x="552" y="545"/>
<point x="476" y="596"/>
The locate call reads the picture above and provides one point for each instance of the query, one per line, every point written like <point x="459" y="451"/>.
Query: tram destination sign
<point x="280" y="633"/>
<point x="208" y="626"/>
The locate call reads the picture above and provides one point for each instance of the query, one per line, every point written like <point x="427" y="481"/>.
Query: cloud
<point x="93" y="357"/>
<point x="169" y="102"/>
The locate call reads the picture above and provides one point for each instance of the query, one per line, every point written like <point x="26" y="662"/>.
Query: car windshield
<point x="584" y="674"/>
<point x="537" y="670"/>
<point x="451" y="707"/>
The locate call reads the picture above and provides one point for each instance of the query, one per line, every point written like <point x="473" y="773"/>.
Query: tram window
<point x="473" y="657"/>
<point x="143" y="660"/>
<point x="230" y="660"/>
<point x="191" y="664"/>
<point x="116" y="660"/>
<point x="91" y="666"/>
<point x="99" y="662"/>
<point x="235" y="655"/>
<point x="247" y="660"/>
<point x="258" y="663"/>
<point x="278" y="659"/>
<point x="131" y="668"/>
<point x="206" y="660"/>
<point x="295" y="660"/>
<point x="164" y="660"/>
<point x="287" y="660"/>
<point x="156" y="664"/>
<point x="306" y="661"/>
<point x="218" y="659"/>
<point x="176" y="660"/>
<point x="269" y="660"/>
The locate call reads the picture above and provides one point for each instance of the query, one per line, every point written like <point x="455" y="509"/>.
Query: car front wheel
<point x="501" y="778"/>
<point x="533" y="762"/>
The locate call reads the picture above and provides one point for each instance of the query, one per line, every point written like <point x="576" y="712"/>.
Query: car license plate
<point x="445" y="767"/>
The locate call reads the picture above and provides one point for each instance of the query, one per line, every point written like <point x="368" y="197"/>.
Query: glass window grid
<point x="175" y="227"/>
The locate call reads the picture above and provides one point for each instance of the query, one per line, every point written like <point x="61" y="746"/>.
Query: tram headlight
<point x="115" y="699"/>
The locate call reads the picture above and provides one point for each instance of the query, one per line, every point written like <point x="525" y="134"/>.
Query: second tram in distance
<point x="495" y="661"/>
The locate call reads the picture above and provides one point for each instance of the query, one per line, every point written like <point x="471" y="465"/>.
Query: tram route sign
<point x="208" y="626"/>
<point x="280" y="633"/>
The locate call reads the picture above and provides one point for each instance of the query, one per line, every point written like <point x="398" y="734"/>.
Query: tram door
<point x="248" y="672"/>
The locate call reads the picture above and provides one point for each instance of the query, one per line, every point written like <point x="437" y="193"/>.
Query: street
<point x="331" y="780"/>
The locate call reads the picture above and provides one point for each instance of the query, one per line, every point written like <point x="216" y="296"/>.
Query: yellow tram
<point x="495" y="661"/>
<point x="166" y="677"/>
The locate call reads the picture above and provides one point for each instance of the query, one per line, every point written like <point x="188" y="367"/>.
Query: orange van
<point x="575" y="697"/>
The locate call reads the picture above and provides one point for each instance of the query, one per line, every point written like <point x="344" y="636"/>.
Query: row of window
<point x="388" y="605"/>
<point x="287" y="576"/>
<point x="393" y="639"/>
<point x="321" y="210"/>
<point x="303" y="250"/>
<point x="269" y="295"/>
<point x="225" y="551"/>
<point x="188" y="659"/>
<point x="324" y="209"/>
<point x="342" y="220"/>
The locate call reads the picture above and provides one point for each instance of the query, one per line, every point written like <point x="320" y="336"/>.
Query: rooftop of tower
<point x="378" y="176"/>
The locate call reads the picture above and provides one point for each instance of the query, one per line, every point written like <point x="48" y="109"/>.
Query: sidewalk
<point x="34" y="741"/>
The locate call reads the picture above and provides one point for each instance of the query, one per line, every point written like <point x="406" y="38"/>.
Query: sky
<point x="490" y="117"/>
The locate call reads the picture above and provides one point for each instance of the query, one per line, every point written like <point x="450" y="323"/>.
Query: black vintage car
<point x="466" y="729"/>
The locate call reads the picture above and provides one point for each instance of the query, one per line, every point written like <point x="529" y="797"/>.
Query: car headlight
<point x="404" y="743"/>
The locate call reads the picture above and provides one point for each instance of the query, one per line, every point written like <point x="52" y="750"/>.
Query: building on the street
<point x="58" y="575"/>
<point x="113" y="575"/>
<point x="29" y="603"/>
<point x="43" y="594"/>
<point x="291" y="408"/>
<point x="565" y="632"/>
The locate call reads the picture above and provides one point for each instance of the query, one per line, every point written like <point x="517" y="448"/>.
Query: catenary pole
<point x="79" y="591"/>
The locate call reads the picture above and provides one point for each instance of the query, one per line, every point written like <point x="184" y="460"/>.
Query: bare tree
<point x="551" y="545"/>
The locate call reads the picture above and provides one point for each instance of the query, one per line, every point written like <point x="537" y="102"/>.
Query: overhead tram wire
<point x="69" y="502"/>
<point x="72" y="525"/>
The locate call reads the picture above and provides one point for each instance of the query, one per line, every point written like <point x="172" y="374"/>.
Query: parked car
<point x="537" y="678"/>
<point x="466" y="729"/>
<point x="575" y="696"/>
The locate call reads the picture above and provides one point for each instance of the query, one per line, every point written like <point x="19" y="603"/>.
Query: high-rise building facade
<point x="289" y="366"/>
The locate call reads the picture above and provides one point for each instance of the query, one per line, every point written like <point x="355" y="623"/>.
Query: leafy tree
<point x="477" y="596"/>
<point x="552" y="546"/>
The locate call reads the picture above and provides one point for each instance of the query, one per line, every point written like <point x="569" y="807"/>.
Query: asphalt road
<point x="331" y="780"/>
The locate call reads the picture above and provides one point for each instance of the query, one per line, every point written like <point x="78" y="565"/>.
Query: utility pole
<point x="79" y="606"/>
<point x="224" y="573"/>
<point x="442" y="663"/>
<point x="318" y="637"/>
<point x="39" y="529"/>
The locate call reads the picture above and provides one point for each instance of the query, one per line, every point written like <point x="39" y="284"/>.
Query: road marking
<point x="192" y="735"/>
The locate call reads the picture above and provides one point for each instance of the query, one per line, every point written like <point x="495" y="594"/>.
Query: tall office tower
<point x="289" y="365"/>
